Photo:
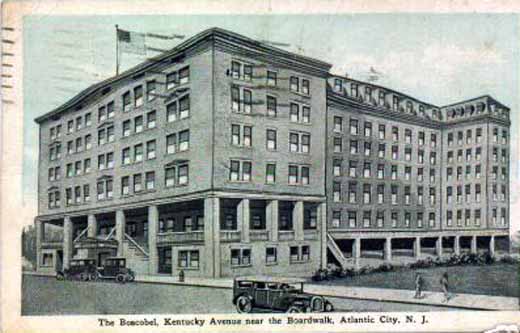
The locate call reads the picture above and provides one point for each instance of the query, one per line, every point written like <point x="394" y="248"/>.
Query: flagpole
<point x="117" y="50"/>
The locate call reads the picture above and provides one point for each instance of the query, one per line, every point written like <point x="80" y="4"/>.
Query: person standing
<point x="419" y="283"/>
<point x="444" y="286"/>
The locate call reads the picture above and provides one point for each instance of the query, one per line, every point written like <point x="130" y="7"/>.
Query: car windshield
<point x="291" y="287"/>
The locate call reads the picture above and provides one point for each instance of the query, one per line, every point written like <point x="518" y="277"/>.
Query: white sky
<point x="440" y="59"/>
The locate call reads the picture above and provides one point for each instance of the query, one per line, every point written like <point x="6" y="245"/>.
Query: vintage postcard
<point x="258" y="166"/>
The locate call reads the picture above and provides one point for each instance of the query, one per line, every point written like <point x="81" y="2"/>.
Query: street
<point x="47" y="296"/>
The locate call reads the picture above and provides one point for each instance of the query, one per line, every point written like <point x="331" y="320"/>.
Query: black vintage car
<point x="79" y="269"/>
<point x="115" y="268"/>
<point x="276" y="294"/>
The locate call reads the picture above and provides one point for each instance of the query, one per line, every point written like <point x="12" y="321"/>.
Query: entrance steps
<point x="338" y="253"/>
<point x="136" y="259"/>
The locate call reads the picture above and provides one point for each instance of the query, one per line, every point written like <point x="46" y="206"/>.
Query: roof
<point x="275" y="279"/>
<point x="214" y="33"/>
<point x="483" y="97"/>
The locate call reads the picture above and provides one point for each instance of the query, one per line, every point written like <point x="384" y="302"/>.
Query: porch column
<point x="120" y="231"/>
<point x="67" y="241"/>
<point x="322" y="225"/>
<point x="298" y="221"/>
<point x="417" y="247"/>
<point x="356" y="251"/>
<point x="272" y="220"/>
<point x="456" y="245"/>
<point x="474" y="244"/>
<point x="438" y="247"/>
<point x="211" y="258"/>
<point x="492" y="246"/>
<point x="387" y="253"/>
<point x="39" y="226"/>
<point x="92" y="226"/>
<point x="153" y="229"/>
<point x="243" y="215"/>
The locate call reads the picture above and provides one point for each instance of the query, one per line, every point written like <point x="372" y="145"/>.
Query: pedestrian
<point x="419" y="283"/>
<point x="444" y="286"/>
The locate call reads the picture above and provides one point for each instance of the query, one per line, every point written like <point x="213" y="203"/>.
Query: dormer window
<point x="395" y="103"/>
<point x="353" y="90"/>
<point x="338" y="85"/>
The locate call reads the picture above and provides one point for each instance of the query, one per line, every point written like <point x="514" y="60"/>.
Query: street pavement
<point x="44" y="295"/>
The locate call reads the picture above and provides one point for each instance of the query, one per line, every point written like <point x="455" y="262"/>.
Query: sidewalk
<point x="461" y="301"/>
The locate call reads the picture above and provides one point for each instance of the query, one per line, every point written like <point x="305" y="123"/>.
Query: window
<point x="449" y="218"/>
<point x="150" y="180"/>
<point x="240" y="171"/>
<point x="352" y="219"/>
<point x="270" y="173"/>
<point x="477" y="217"/>
<point x="305" y="86"/>
<point x="421" y="138"/>
<point x="184" y="75"/>
<point x="293" y="174"/>
<point x="235" y="99"/>
<point x="138" y="124"/>
<point x="382" y="132"/>
<point x="395" y="133"/>
<point x="393" y="174"/>
<point x="172" y="79"/>
<point x="171" y="143"/>
<point x="189" y="259"/>
<point x="171" y="112"/>
<point x="77" y="168"/>
<point x="77" y="194"/>
<point x="407" y="218"/>
<point x="420" y="195"/>
<point x="271" y="106"/>
<point x="336" y="166"/>
<point x="126" y="128"/>
<point x="478" y="136"/>
<point x="450" y="139"/>
<point x="408" y="154"/>
<point x="477" y="192"/>
<point x="420" y="156"/>
<point x="184" y="107"/>
<point x="368" y="148"/>
<point x="367" y="194"/>
<point x="367" y="169"/>
<point x="394" y="190"/>
<point x="184" y="140"/>
<point x="150" y="149"/>
<point x="151" y="119"/>
<point x="382" y="98"/>
<point x="381" y="150"/>
<point x="240" y="257"/>
<point x="110" y="134"/>
<point x="367" y="215"/>
<point x="353" y="126"/>
<point x="150" y="90"/>
<point x="126" y="102"/>
<point x="270" y="255"/>
<point x="354" y="90"/>
<point x="352" y="166"/>
<point x="419" y="219"/>
<point x="338" y="144"/>
<point x="338" y="124"/>
<point x="294" y="84"/>
<point x="138" y="96"/>
<point x="407" y="173"/>
<point x="70" y="147"/>
<point x="368" y="129"/>
<point x="432" y="196"/>
<point x="79" y="123"/>
<point x="394" y="217"/>
<point x="271" y="78"/>
<point x="408" y="136"/>
<point x="460" y="137"/>
<point x="138" y="153"/>
<point x="86" y="193"/>
<point x="299" y="253"/>
<point x="101" y="163"/>
<point x="352" y="193"/>
<point x="353" y="147"/>
<point x="431" y="219"/>
<point x="380" y="193"/>
<point x="138" y="181"/>
<point x="248" y="100"/>
<point x="125" y="156"/>
<point x="110" y="160"/>
<point x="336" y="218"/>
<point x="79" y="145"/>
<point x="271" y="139"/>
<point x="380" y="218"/>
<point x="70" y="126"/>
<point x="433" y="158"/>
<point x="336" y="188"/>
<point x="125" y="185"/>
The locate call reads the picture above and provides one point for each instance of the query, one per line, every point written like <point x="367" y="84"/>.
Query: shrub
<point x="507" y="259"/>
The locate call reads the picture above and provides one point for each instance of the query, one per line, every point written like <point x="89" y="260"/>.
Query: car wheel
<point x="329" y="307"/>
<point x="60" y="276"/>
<point x="93" y="277"/>
<point x="83" y="276"/>
<point x="294" y="309"/>
<point x="130" y="278"/>
<point x="120" y="278"/>
<point x="244" y="304"/>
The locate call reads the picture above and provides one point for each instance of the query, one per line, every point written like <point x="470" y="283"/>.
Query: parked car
<point x="79" y="269"/>
<point x="115" y="268"/>
<point x="277" y="294"/>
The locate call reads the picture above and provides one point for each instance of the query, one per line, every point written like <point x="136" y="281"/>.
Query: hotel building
<point x="226" y="156"/>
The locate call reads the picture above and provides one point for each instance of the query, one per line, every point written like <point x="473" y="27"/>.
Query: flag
<point x="131" y="42"/>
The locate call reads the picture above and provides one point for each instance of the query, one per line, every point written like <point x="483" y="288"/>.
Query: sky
<point x="437" y="58"/>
